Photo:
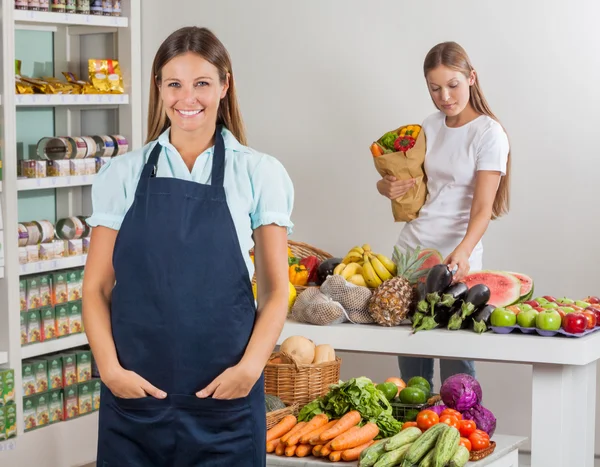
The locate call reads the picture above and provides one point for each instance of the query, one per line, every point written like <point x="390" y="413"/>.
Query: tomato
<point x="406" y="425"/>
<point x="467" y="427"/>
<point x="478" y="442"/>
<point x="454" y="413"/>
<point x="466" y="443"/>
<point x="482" y="433"/>
<point x="426" y="419"/>
<point x="450" y="420"/>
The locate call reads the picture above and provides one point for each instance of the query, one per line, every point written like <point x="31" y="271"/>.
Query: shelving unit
<point x="74" y="39"/>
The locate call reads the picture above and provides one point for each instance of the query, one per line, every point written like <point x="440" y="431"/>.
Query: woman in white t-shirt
<point x="467" y="165"/>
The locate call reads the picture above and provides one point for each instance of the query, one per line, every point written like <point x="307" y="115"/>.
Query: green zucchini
<point x="423" y="445"/>
<point x="370" y="455"/>
<point x="392" y="458"/>
<point x="427" y="461"/>
<point x="460" y="457"/>
<point x="445" y="447"/>
<point x="409" y="435"/>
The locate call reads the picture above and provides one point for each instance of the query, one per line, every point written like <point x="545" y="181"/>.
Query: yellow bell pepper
<point x="298" y="274"/>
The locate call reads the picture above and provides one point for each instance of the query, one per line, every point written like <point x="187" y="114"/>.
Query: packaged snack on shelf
<point x="59" y="249"/>
<point x="28" y="168"/>
<point x="46" y="251"/>
<point x="61" y="87"/>
<point x="22" y="87"/>
<point x="59" y="168"/>
<point x="62" y="320"/>
<point x="34" y="232"/>
<point x="21" y="5"/>
<point x="29" y="412"/>
<point x="71" y="402"/>
<point x="107" y="7"/>
<point x="75" y="326"/>
<point x="48" y="323"/>
<point x="43" y="87"/>
<point x="70" y="6"/>
<point x="100" y="161"/>
<point x="90" y="167"/>
<point x="77" y="166"/>
<point x="96" y="7"/>
<point x="41" y="169"/>
<point x="121" y="143"/>
<point x="2" y="424"/>
<point x="58" y="6"/>
<point x="44" y="5"/>
<point x="55" y="372"/>
<point x="28" y="378"/>
<point x="40" y="367"/>
<point x="85" y="397"/>
<point x="7" y="384"/>
<point x="84" y="87"/>
<point x="96" y="391"/>
<point x="107" y="146"/>
<point x="45" y="290"/>
<point x="33" y="293"/>
<point x="78" y="146"/>
<point x="47" y="229"/>
<point x="116" y="8"/>
<point x="82" y="7"/>
<point x="33" y="253"/>
<point x="54" y="148"/>
<point x="74" y="285"/>
<point x="59" y="288"/>
<point x="84" y="365"/>
<point x="24" y="336"/>
<point x="69" y="366"/>
<point x="23" y="235"/>
<point x="34" y="326"/>
<point x="86" y="245"/>
<point x="92" y="147"/>
<point x="42" y="411"/>
<point x="105" y="75"/>
<point x="22" y="255"/>
<point x="75" y="247"/>
<point x="55" y="405"/>
<point x="10" y="421"/>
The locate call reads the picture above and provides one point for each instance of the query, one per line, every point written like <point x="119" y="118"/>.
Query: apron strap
<point x="218" y="164"/>
<point x="150" y="167"/>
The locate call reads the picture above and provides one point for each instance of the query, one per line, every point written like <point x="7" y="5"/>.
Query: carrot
<point x="326" y="450"/>
<point x="354" y="453"/>
<point x="317" y="450"/>
<point x="351" y="440"/>
<point x="313" y="436"/>
<point x="348" y="420"/>
<point x="290" y="450"/>
<point x="271" y="445"/>
<point x="335" y="456"/>
<point x="316" y="422"/>
<point x="284" y="426"/>
<point x="303" y="450"/>
<point x="296" y="427"/>
<point x="280" y="449"/>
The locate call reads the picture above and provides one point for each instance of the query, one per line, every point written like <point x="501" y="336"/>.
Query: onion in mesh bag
<point x="354" y="298"/>
<point x="304" y="299"/>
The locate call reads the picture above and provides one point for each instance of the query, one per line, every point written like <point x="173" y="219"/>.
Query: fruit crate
<point x="408" y="412"/>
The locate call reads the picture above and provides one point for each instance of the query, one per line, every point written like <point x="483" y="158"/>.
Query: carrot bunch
<point x="338" y="439"/>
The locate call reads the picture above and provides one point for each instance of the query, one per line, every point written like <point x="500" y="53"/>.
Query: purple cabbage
<point x="461" y="392"/>
<point x="483" y="418"/>
<point x="438" y="409"/>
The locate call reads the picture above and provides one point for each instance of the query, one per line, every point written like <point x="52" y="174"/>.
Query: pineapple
<point x="394" y="298"/>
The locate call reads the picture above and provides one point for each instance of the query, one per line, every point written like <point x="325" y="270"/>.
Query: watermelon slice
<point x="526" y="286"/>
<point x="435" y="258"/>
<point x="505" y="288"/>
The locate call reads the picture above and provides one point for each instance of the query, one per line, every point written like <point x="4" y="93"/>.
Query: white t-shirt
<point x="453" y="157"/>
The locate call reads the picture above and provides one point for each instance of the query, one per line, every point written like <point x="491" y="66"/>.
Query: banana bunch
<point x="352" y="272"/>
<point x="374" y="268"/>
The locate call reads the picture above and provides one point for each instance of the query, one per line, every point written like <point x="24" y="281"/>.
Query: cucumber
<point x="460" y="457"/>
<point x="427" y="461"/>
<point x="423" y="445"/>
<point x="370" y="455"/>
<point x="446" y="446"/>
<point x="409" y="435"/>
<point x="392" y="458"/>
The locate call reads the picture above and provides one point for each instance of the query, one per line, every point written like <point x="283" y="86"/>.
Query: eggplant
<point x="440" y="318"/>
<point x="326" y="269"/>
<point x="417" y="318"/>
<point x="481" y="319"/>
<point x="452" y="294"/>
<point x="477" y="297"/>
<point x="458" y="322"/>
<point x="439" y="278"/>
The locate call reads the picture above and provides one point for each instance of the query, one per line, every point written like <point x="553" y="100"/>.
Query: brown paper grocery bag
<point x="404" y="167"/>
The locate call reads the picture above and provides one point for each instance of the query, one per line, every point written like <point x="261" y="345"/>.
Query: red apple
<point x="533" y="303"/>
<point x="575" y="323"/>
<point x="550" y="298"/>
<point x="596" y="312"/>
<point x="593" y="300"/>
<point x="591" y="319"/>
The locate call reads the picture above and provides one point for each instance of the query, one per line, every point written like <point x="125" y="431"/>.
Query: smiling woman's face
<point x="449" y="89"/>
<point x="191" y="91"/>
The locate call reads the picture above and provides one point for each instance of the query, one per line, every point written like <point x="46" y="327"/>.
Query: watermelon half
<point x="505" y="288"/>
<point x="435" y="258"/>
<point x="526" y="286"/>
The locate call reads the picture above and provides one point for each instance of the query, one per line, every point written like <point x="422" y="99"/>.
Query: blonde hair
<point x="453" y="56"/>
<point x="204" y="43"/>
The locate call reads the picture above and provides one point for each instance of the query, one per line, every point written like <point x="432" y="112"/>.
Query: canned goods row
<point x="82" y="7"/>
<point x="81" y="147"/>
<point x="36" y="232"/>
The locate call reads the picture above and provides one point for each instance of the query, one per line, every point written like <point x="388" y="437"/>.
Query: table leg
<point x="563" y="415"/>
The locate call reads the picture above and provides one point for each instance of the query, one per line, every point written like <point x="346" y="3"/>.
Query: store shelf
<point x="3" y="358"/>
<point x="8" y="445"/>
<point x="53" y="265"/>
<point x="2" y="272"/>
<point x="505" y="446"/>
<point x="51" y="100"/>
<point x="45" y="17"/>
<point x="24" y="184"/>
<point x="55" y="345"/>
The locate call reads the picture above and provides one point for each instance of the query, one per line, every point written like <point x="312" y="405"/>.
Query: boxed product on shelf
<point x="42" y="410"/>
<point x="84" y="366"/>
<point x="71" y="402"/>
<point x="48" y="323"/>
<point x="24" y="337"/>
<point x="45" y="283"/>
<point x="34" y="326"/>
<point x="59" y="287"/>
<point x="74" y="284"/>
<point x="40" y="367"/>
<point x="62" y="319"/>
<point x="69" y="368"/>
<point x="29" y="412"/>
<point x="85" y="392"/>
<point x="10" y="421"/>
<point x="23" y="294"/>
<point x="97" y="388"/>
<point x="7" y="386"/>
<point x="28" y="378"/>
<point x="55" y="372"/>
<point x="55" y="405"/>
<point x="33" y="293"/>
<point x="2" y="424"/>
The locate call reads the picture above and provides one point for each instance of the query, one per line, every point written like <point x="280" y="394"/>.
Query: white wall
<point x="320" y="80"/>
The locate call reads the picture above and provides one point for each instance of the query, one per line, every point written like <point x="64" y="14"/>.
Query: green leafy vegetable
<point x="355" y="394"/>
<point x="387" y="140"/>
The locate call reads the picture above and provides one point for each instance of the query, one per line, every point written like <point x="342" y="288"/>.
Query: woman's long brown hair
<point x="204" y="43"/>
<point x="453" y="56"/>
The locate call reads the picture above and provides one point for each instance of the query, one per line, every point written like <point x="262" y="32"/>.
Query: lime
<point x="411" y="415"/>
<point x="419" y="380"/>
<point x="424" y="388"/>
<point x="413" y="395"/>
<point x="389" y="390"/>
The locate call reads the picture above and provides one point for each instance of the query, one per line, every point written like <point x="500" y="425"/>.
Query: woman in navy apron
<point x="169" y="310"/>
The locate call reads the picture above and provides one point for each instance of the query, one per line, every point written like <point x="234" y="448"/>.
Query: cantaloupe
<point x="300" y="348"/>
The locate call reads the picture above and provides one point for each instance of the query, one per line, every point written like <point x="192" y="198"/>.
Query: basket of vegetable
<point x="277" y="410"/>
<point x="404" y="412"/>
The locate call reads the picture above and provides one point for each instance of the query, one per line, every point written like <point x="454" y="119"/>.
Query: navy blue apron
<point x="182" y="312"/>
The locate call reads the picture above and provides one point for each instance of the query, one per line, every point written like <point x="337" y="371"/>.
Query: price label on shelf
<point x="38" y="182"/>
<point x="8" y="445"/>
<point x="84" y="179"/>
<point x="53" y="180"/>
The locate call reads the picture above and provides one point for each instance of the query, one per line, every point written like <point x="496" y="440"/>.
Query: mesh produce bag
<point x="354" y="298"/>
<point x="314" y="307"/>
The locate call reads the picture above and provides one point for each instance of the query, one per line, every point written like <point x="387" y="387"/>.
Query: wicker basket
<point x="482" y="453"/>
<point x="274" y="417"/>
<point x="303" y="250"/>
<point x="297" y="383"/>
<point x="402" y="412"/>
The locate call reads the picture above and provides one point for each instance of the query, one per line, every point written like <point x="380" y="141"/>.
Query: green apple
<point x="527" y="318"/>
<point x="525" y="307"/>
<point x="502" y="317"/>
<point x="566" y="309"/>
<point x="565" y="301"/>
<point x="548" y="320"/>
<point x="550" y="305"/>
<point x="541" y="300"/>
<point x="582" y="304"/>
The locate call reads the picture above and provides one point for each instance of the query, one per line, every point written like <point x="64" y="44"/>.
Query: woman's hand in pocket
<point x="129" y="385"/>
<point x="392" y="188"/>
<point x="233" y="383"/>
